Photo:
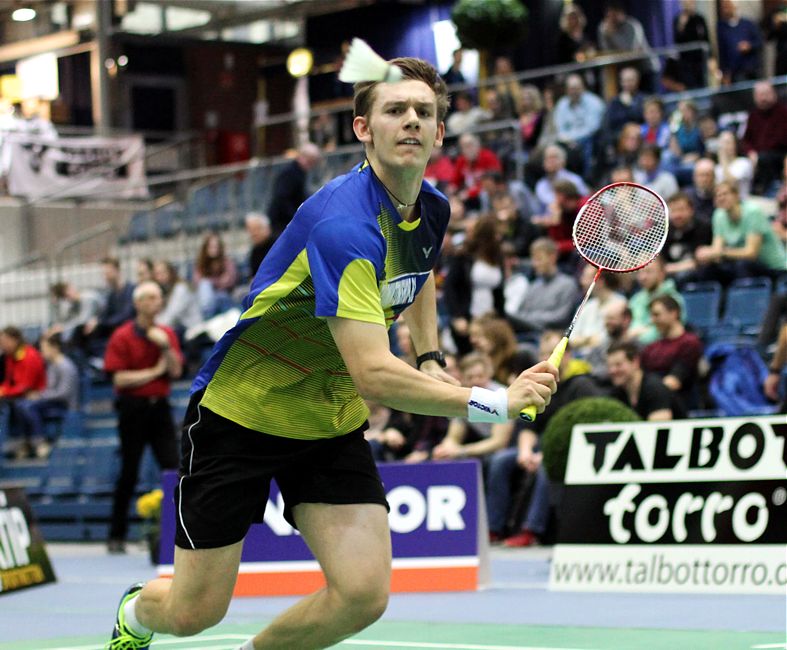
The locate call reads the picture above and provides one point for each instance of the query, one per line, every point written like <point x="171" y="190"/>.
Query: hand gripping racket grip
<point x="528" y="414"/>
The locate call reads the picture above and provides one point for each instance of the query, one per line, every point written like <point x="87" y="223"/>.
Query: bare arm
<point x="383" y="378"/>
<point x="421" y="318"/>
<point x="134" y="378"/>
<point x="661" y="415"/>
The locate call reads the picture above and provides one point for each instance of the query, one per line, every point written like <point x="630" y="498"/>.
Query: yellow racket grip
<point x="528" y="414"/>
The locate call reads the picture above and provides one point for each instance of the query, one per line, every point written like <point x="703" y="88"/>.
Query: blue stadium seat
<point x="747" y="300"/>
<point x="167" y="221"/>
<point x="781" y="284"/>
<point x="703" y="304"/>
<point x="138" y="228"/>
<point x="102" y="465"/>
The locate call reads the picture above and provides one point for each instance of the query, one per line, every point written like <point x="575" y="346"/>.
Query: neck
<point x="402" y="186"/>
<point x="675" y="330"/>
<point x="144" y="321"/>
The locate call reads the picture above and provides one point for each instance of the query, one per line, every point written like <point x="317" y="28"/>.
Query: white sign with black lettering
<point x="690" y="505"/>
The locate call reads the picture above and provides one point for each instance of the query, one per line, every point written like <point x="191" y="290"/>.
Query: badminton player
<point x="281" y="395"/>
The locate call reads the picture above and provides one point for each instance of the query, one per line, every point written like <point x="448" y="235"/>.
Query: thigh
<point x="205" y="578"/>
<point x="351" y="542"/>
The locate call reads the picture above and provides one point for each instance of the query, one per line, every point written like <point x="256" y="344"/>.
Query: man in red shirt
<point x="765" y="139"/>
<point x="25" y="374"/>
<point x="470" y="166"/>
<point x="143" y="359"/>
<point x="677" y="352"/>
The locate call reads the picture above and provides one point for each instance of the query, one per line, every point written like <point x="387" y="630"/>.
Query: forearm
<point x="173" y="362"/>
<point x="395" y="384"/>
<point x="421" y="318"/>
<point x="134" y="378"/>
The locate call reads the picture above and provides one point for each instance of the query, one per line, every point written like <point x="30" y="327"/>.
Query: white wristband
<point x="487" y="405"/>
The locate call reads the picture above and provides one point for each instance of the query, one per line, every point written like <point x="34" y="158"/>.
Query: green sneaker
<point x="122" y="638"/>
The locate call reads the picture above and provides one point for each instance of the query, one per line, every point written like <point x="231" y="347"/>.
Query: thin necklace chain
<point x="401" y="204"/>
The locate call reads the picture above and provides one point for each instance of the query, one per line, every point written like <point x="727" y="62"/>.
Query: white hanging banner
<point x="45" y="168"/>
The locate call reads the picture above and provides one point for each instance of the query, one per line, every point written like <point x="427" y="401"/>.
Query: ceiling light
<point x="299" y="62"/>
<point x="23" y="14"/>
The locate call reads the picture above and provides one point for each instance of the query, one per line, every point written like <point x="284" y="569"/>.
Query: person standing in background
<point x="143" y="359"/>
<point x="289" y="188"/>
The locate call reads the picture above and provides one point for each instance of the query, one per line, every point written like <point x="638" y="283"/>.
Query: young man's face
<point x="476" y="375"/>
<point x="680" y="213"/>
<point x="401" y="128"/>
<point x="662" y="318"/>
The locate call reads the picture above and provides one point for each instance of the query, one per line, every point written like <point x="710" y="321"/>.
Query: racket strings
<point x="621" y="228"/>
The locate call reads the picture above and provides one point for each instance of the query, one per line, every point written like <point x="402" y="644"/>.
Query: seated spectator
<point x="676" y="354"/>
<point x="551" y="297"/>
<point x="71" y="309"/>
<point x="24" y="377"/>
<point x="709" y="130"/>
<point x="617" y="328"/>
<point x="495" y="338"/>
<point x="555" y="170"/>
<point x="470" y="165"/>
<point x="780" y="222"/>
<point x="702" y="190"/>
<point x="655" y="130"/>
<point x="732" y="166"/>
<point x="507" y="87"/>
<point x="440" y="170"/>
<point x="473" y="285"/>
<point x="765" y="138"/>
<point x="466" y="115"/>
<point x="531" y="115"/>
<point x="559" y="220"/>
<point x="685" y="235"/>
<point x="589" y="329"/>
<point x="494" y="184"/>
<point x="650" y="173"/>
<point x="626" y="106"/>
<point x="51" y="404"/>
<point x="744" y="243"/>
<point x="573" y="46"/>
<point x="575" y="383"/>
<point x="654" y="282"/>
<point x="629" y="145"/>
<point x="621" y="175"/>
<point x="258" y="228"/>
<point x="776" y="371"/>
<point x="686" y="144"/>
<point x="739" y="42"/>
<point x="387" y="433"/>
<point x="515" y="229"/>
<point x="215" y="276"/>
<point x="144" y="270"/>
<point x="689" y="26"/>
<point x="118" y="307"/>
<point x="578" y="118"/>
<point x="181" y="310"/>
<point x="776" y="30"/>
<point x="642" y="391"/>
<point x="620" y="33"/>
<point x="474" y="439"/>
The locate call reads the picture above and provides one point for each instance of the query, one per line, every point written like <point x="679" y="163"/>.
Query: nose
<point x="411" y="118"/>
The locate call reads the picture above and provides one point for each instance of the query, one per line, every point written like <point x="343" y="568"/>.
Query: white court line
<point x="356" y="642"/>
<point x="774" y="646"/>
<point x="448" y="646"/>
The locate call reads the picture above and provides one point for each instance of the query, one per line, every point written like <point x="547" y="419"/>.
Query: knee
<point x="191" y="621"/>
<point x="365" y="604"/>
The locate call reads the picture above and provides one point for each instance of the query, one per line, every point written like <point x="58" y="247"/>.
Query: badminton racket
<point x="621" y="228"/>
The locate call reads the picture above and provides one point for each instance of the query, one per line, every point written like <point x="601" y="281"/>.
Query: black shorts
<point x="226" y="469"/>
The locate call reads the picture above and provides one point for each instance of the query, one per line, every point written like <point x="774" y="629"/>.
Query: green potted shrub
<point x="557" y="435"/>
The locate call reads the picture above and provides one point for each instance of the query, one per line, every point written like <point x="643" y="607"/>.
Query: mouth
<point x="411" y="142"/>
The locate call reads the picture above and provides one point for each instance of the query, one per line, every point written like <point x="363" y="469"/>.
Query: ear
<point x="362" y="130"/>
<point x="438" y="140"/>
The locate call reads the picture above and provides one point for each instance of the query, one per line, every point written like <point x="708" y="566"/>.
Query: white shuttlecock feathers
<point x="362" y="63"/>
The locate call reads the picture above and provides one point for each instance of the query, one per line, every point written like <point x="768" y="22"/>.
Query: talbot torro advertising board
<point x="681" y="506"/>
<point x="23" y="558"/>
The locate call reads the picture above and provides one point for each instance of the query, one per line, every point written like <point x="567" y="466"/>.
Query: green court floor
<point x="443" y="636"/>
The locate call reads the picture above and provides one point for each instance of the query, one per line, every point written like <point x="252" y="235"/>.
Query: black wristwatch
<point x="434" y="355"/>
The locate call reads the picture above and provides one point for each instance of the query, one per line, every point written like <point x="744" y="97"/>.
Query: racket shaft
<point x="529" y="412"/>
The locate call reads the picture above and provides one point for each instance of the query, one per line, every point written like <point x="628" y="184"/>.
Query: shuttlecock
<point x="362" y="63"/>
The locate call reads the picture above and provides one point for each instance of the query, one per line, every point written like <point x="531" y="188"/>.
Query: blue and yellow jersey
<point x="346" y="253"/>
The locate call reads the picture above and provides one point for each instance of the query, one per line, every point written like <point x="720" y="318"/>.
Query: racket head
<point x="622" y="227"/>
